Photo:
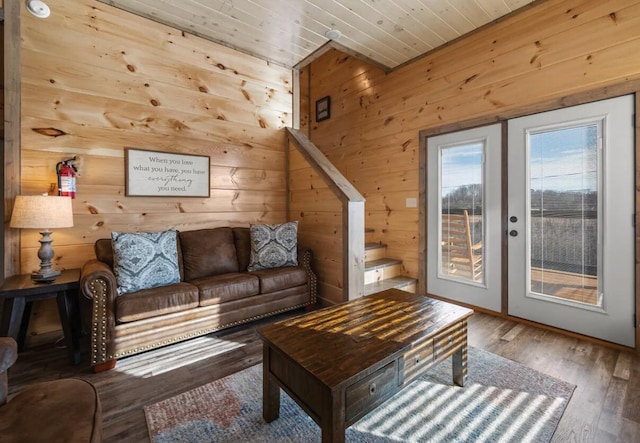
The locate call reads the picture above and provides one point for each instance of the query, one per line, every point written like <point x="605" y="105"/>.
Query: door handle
<point x="513" y="233"/>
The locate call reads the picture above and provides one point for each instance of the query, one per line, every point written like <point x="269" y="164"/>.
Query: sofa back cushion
<point x="208" y="252"/>
<point x="243" y="247"/>
<point x="104" y="251"/>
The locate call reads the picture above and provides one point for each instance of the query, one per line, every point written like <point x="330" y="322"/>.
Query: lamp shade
<point x="42" y="212"/>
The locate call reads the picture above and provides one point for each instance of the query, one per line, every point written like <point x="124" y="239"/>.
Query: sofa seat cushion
<point x="208" y="252"/>
<point x="276" y="279"/>
<point x="226" y="287"/>
<point x="156" y="301"/>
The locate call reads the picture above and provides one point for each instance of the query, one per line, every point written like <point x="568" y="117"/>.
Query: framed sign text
<point x="165" y="174"/>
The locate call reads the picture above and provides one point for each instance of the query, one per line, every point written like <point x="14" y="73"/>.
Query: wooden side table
<point x="19" y="290"/>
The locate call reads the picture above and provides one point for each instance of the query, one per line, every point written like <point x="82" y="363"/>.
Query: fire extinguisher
<point x="66" y="171"/>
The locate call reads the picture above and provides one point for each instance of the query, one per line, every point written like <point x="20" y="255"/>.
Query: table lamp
<point x="42" y="212"/>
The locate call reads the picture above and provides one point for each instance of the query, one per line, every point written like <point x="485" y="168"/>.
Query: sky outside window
<point x="564" y="160"/>
<point x="461" y="166"/>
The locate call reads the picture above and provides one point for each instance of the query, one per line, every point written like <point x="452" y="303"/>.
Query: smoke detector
<point x="333" y="34"/>
<point x="38" y="8"/>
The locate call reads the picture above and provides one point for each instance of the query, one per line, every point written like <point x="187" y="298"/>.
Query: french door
<point x="463" y="216"/>
<point x="569" y="231"/>
<point x="570" y="209"/>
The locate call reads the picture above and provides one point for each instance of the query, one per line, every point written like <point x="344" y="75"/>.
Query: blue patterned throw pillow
<point x="144" y="260"/>
<point x="274" y="246"/>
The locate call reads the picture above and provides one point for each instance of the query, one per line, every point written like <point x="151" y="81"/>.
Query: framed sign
<point x="323" y="108"/>
<point x="165" y="174"/>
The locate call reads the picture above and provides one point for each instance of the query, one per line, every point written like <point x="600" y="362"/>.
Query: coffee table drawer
<point x="449" y="340"/>
<point x="417" y="360"/>
<point x="366" y="394"/>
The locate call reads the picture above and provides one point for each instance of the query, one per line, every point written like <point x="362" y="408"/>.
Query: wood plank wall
<point x="319" y="215"/>
<point x="2" y="154"/>
<point x="381" y="162"/>
<point x="318" y="211"/>
<point x="11" y="130"/>
<point x="96" y="79"/>
<point x="549" y="51"/>
<point x="2" y="80"/>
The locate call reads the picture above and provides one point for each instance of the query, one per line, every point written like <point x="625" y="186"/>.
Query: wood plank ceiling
<point x="287" y="32"/>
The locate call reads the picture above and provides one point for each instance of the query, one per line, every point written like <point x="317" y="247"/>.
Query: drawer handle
<point x="372" y="389"/>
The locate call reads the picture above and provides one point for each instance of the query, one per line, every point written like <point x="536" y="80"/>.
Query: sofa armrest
<point x="8" y="353"/>
<point x="96" y="273"/>
<point x="99" y="287"/>
<point x="305" y="258"/>
<point x="8" y="356"/>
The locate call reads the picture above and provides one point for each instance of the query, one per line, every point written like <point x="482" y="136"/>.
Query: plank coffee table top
<point x="338" y="343"/>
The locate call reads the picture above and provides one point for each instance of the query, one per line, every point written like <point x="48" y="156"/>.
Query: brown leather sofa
<point x="65" y="410"/>
<point x="215" y="292"/>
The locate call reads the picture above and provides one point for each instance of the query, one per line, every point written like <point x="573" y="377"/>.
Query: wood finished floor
<point x="604" y="408"/>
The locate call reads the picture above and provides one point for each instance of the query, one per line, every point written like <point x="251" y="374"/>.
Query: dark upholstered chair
<point x="60" y="410"/>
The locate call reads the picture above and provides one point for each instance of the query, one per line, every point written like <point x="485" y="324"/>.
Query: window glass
<point x="563" y="183"/>
<point x="461" y="221"/>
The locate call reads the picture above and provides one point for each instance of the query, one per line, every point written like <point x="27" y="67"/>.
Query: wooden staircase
<point x="380" y="272"/>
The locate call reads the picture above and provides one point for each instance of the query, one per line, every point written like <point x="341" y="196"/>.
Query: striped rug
<point x="502" y="401"/>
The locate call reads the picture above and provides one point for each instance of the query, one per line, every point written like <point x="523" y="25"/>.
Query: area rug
<point x="502" y="401"/>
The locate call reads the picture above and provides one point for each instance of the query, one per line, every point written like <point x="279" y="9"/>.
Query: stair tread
<point x="376" y="245"/>
<point x="394" y="282"/>
<point x="381" y="263"/>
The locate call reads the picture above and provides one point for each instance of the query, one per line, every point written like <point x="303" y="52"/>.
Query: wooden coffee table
<point x="341" y="362"/>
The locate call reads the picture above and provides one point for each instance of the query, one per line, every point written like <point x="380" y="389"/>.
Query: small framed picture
<point x="323" y="108"/>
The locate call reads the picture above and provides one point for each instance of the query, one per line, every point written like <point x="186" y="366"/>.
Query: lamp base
<point x="45" y="275"/>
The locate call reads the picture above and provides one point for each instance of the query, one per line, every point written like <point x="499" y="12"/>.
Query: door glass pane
<point x="563" y="173"/>
<point x="461" y="222"/>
